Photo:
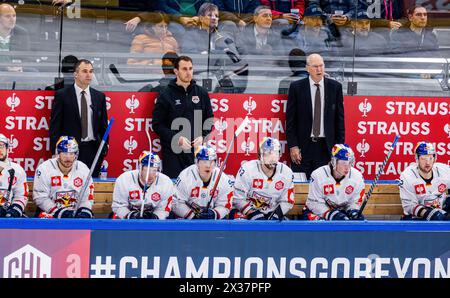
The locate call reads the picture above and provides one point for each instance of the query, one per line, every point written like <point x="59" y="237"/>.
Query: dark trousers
<point x="314" y="155"/>
<point x="87" y="155"/>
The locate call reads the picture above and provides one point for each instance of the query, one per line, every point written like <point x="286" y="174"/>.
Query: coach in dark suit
<point x="314" y="118"/>
<point x="80" y="111"/>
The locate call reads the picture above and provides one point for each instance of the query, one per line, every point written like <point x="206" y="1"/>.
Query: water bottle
<point x="103" y="172"/>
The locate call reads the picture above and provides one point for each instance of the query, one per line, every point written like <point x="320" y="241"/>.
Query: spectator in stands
<point x="168" y="62"/>
<point x="156" y="40"/>
<point x="415" y="39"/>
<point x="182" y="103"/>
<point x="313" y="124"/>
<point x="313" y="36"/>
<point x="144" y="185"/>
<point x="185" y="11"/>
<point x="423" y="186"/>
<point x="337" y="11"/>
<point x="131" y="24"/>
<point x="365" y="41"/>
<point x="385" y="13"/>
<point x="297" y="65"/>
<point x="238" y="12"/>
<point x="259" y="38"/>
<point x="67" y="69"/>
<point x="12" y="38"/>
<point x="285" y="12"/>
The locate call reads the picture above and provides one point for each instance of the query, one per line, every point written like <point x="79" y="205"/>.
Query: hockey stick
<point x="222" y="168"/>
<point x="375" y="181"/>
<point x="280" y="214"/>
<point x="11" y="172"/>
<point x="146" y="175"/>
<point x="94" y="163"/>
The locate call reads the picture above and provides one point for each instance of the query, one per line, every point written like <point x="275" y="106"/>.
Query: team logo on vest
<point x="258" y="183"/>
<point x="27" y="262"/>
<point x="328" y="189"/>
<point x="442" y="188"/>
<point x="420" y="189"/>
<point x="13" y="102"/>
<point x="155" y="197"/>
<point x="363" y="147"/>
<point x="365" y="107"/>
<point x="132" y="103"/>
<point x="349" y="189"/>
<point x="279" y="185"/>
<point x="130" y="145"/>
<point x="134" y="195"/>
<point x="195" y="99"/>
<point x="195" y="192"/>
<point x="56" y="181"/>
<point x="77" y="182"/>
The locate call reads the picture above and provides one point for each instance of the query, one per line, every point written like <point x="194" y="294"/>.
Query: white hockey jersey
<point x="325" y="194"/>
<point x="19" y="190"/>
<point x="253" y="189"/>
<point x="415" y="192"/>
<point x="53" y="190"/>
<point x="128" y="195"/>
<point x="191" y="192"/>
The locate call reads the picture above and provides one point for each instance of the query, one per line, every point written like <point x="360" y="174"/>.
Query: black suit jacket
<point x="299" y="114"/>
<point x="65" y="118"/>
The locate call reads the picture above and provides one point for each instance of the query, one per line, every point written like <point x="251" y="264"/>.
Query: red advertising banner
<point x="371" y="124"/>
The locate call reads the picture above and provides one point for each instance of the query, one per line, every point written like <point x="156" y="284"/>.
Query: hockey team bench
<point x="384" y="202"/>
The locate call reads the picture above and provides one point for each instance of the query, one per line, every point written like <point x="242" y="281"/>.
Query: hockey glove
<point x="337" y="215"/>
<point x="84" y="212"/>
<point x="14" y="210"/>
<point x="150" y="215"/>
<point x="207" y="214"/>
<point x="433" y="214"/>
<point x="353" y="214"/>
<point x="135" y="214"/>
<point x="2" y="211"/>
<point x="64" y="213"/>
<point x="256" y="215"/>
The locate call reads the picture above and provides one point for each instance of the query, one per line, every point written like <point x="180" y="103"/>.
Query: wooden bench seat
<point x="384" y="201"/>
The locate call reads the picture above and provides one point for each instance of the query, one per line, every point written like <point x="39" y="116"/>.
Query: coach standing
<point x="314" y="118"/>
<point x="80" y="111"/>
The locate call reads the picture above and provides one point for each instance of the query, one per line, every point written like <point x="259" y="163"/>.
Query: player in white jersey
<point x="264" y="187"/>
<point x="129" y="191"/>
<point x="336" y="190"/>
<point x="195" y="185"/>
<point x="423" y="186"/>
<point x="58" y="183"/>
<point x="13" y="184"/>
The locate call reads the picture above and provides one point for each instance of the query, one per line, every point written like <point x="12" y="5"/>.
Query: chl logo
<point x="27" y="262"/>
<point x="130" y="145"/>
<point x="365" y="107"/>
<point x="221" y="125"/>
<point x="132" y="103"/>
<point x="13" y="102"/>
<point x="363" y="147"/>
<point x="249" y="105"/>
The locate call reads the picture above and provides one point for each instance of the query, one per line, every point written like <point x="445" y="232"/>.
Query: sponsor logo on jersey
<point x="279" y="185"/>
<point x="65" y="198"/>
<point x="349" y="189"/>
<point x="27" y="262"/>
<point x="195" y="192"/>
<point x="56" y="181"/>
<point x="328" y="189"/>
<point x="259" y="201"/>
<point x="442" y="188"/>
<point x="420" y="189"/>
<point x="156" y="197"/>
<point x="134" y="195"/>
<point x="258" y="183"/>
<point x="77" y="182"/>
<point x="195" y="99"/>
<point x="216" y="192"/>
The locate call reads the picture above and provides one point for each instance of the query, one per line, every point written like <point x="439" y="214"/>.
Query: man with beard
<point x="59" y="181"/>
<point x="264" y="188"/>
<point x="423" y="186"/>
<point x="195" y="187"/>
<point x="13" y="184"/>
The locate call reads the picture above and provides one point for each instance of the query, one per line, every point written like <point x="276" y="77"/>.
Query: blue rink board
<point x="221" y="225"/>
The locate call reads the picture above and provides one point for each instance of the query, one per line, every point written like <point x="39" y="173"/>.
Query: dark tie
<point x="317" y="109"/>
<point x="84" y="116"/>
